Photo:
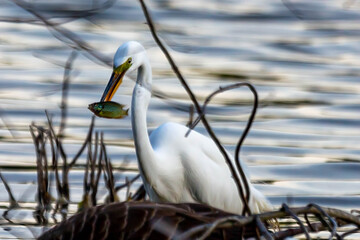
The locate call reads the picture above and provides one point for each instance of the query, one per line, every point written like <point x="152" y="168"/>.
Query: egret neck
<point x="139" y="105"/>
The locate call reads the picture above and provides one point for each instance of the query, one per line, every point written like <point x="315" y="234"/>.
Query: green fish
<point x="108" y="109"/>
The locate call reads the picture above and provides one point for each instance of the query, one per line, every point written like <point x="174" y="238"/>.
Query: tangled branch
<point x="243" y="196"/>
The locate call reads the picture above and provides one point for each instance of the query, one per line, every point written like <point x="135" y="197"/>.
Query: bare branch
<point x="82" y="148"/>
<point x="197" y="107"/>
<point x="292" y="9"/>
<point x="75" y="41"/>
<point x="12" y="200"/>
<point x="264" y="232"/>
<point x="65" y="91"/>
<point x="139" y="194"/>
<point x="321" y="215"/>
<point x="118" y="188"/>
<point x="303" y="228"/>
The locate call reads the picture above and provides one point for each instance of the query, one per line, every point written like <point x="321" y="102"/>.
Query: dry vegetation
<point x="134" y="217"/>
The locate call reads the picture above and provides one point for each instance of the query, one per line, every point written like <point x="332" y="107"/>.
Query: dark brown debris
<point x="138" y="220"/>
<point x="147" y="220"/>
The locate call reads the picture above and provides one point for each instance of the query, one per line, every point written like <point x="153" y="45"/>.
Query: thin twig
<point x="92" y="173"/>
<point x="322" y="213"/>
<point x="59" y="147"/>
<point x="296" y="231"/>
<point x="12" y="200"/>
<point x="139" y="194"/>
<point x="352" y="231"/>
<point x="64" y="190"/>
<point x="86" y="201"/>
<point x="239" y="221"/>
<point x="264" y="232"/>
<point x="65" y="89"/>
<point x="108" y="175"/>
<point x="71" y="14"/>
<point x="118" y="188"/>
<point x="97" y="179"/>
<point x="7" y="126"/>
<point x="196" y="104"/>
<point x="39" y="212"/>
<point x="65" y="92"/>
<point x="128" y="184"/>
<point x="82" y="148"/>
<point x="54" y="158"/>
<point x="244" y="133"/>
<point x="292" y="9"/>
<point x="302" y="226"/>
<point x="308" y="222"/>
<point x="191" y="116"/>
<point x="76" y="42"/>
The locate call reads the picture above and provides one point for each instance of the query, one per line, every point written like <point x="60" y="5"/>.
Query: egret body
<point x="173" y="167"/>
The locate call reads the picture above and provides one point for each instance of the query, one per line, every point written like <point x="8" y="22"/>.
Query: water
<point x="303" y="146"/>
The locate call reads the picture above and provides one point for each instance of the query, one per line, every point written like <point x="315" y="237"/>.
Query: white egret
<point x="175" y="168"/>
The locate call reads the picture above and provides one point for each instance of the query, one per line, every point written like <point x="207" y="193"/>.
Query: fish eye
<point x="98" y="106"/>
<point x="129" y="60"/>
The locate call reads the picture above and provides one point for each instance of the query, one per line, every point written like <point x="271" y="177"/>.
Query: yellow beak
<point x="112" y="86"/>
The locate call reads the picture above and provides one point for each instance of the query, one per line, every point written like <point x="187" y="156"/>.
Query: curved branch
<point x="293" y="215"/>
<point x="243" y="135"/>
<point x="196" y="104"/>
<point x="239" y="221"/>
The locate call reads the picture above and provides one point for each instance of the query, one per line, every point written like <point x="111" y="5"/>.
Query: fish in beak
<point x="109" y="110"/>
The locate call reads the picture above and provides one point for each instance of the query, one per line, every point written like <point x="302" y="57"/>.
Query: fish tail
<point x="127" y="111"/>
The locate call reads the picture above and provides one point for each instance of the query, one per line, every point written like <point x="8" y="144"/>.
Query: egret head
<point x="128" y="58"/>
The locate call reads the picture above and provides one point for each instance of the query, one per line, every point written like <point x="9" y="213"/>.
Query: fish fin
<point x="121" y="105"/>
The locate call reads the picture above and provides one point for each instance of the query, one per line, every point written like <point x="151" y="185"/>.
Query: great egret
<point x="175" y="168"/>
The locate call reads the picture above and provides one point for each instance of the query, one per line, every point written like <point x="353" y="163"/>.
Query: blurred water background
<point x="302" y="56"/>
